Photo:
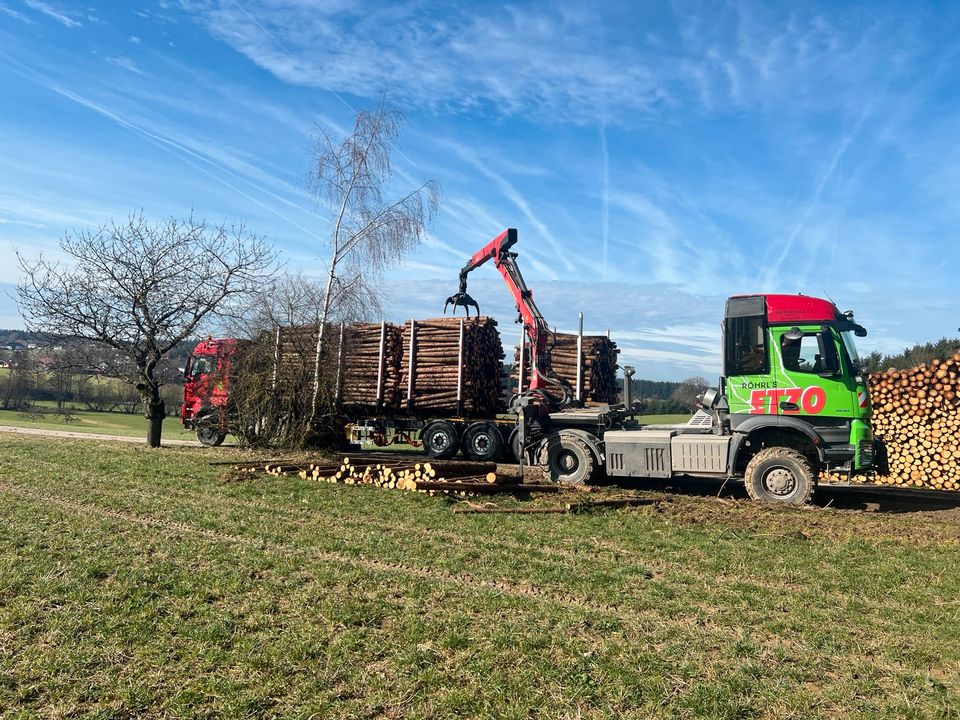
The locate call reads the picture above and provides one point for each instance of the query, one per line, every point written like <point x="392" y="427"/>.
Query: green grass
<point x="136" y="583"/>
<point x="97" y="422"/>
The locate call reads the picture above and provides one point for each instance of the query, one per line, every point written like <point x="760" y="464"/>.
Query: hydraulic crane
<point x="541" y="339"/>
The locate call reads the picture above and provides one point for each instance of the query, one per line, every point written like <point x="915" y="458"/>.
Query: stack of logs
<point x="355" y="375"/>
<point x="361" y="366"/>
<point x="445" y="477"/>
<point x="599" y="381"/>
<point x="434" y="366"/>
<point x="435" y="370"/>
<point x="916" y="415"/>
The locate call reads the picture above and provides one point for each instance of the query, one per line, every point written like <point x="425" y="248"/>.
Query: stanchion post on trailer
<point x="580" y="361"/>
<point x="523" y="347"/>
<point x="411" y="364"/>
<point x="460" y="371"/>
<point x="383" y="342"/>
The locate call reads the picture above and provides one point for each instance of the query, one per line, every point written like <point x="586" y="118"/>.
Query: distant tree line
<point x="919" y="354"/>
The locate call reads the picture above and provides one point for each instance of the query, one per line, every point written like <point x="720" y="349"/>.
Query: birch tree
<point x="351" y="177"/>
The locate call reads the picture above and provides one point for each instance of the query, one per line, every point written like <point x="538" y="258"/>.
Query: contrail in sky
<point x="605" y="197"/>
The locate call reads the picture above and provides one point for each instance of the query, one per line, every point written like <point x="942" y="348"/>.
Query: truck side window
<point x="802" y="355"/>
<point x="746" y="346"/>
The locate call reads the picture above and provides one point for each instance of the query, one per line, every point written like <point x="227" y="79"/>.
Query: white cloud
<point x="125" y="63"/>
<point x="16" y="15"/>
<point x="61" y="16"/>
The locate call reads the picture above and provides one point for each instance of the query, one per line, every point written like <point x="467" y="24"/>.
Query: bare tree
<point x="688" y="392"/>
<point x="140" y="288"/>
<point x="351" y="176"/>
<point x="295" y="299"/>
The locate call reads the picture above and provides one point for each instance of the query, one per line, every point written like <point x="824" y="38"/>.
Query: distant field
<point x="124" y="424"/>
<point x="97" y="422"/>
<point x="138" y="583"/>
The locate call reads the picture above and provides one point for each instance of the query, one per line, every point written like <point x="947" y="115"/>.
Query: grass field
<point x="138" y="583"/>
<point x="97" y="422"/>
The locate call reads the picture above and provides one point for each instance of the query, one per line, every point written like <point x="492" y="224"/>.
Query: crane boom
<point x="534" y="324"/>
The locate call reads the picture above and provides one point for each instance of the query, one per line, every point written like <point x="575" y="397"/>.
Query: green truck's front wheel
<point x="780" y="474"/>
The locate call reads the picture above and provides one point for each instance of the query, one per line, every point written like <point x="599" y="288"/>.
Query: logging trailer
<point x="792" y="402"/>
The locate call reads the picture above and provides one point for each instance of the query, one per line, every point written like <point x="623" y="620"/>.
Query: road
<point x="89" y="436"/>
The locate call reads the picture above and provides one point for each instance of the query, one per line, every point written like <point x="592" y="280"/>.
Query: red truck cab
<point x="206" y="389"/>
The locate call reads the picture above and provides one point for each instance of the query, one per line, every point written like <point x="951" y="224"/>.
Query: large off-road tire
<point x="440" y="440"/>
<point x="780" y="474"/>
<point x="566" y="459"/>
<point x="482" y="441"/>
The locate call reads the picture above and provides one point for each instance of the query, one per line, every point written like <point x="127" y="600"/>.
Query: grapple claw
<point x="461" y="299"/>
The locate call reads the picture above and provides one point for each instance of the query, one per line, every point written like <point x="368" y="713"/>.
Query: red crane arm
<point x="534" y="324"/>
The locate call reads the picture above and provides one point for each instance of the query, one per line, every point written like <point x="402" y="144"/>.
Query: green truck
<point x="792" y="402"/>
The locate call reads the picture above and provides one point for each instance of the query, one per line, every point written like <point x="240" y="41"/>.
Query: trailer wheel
<point x="482" y="441"/>
<point x="780" y="474"/>
<point x="440" y="440"/>
<point x="566" y="459"/>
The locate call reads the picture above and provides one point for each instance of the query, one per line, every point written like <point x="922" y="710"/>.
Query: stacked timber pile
<point x="447" y="477"/>
<point x="916" y="415"/>
<point x="361" y="370"/>
<point x="296" y="349"/>
<point x="599" y="366"/>
<point x="430" y="371"/>
<point x="422" y="377"/>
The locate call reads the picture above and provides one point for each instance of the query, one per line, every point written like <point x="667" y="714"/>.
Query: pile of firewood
<point x="916" y="415"/>
<point x="443" y="477"/>
<point x="435" y="349"/>
<point x="599" y="366"/>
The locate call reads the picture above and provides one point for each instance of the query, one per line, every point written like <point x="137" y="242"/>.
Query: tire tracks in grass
<point x="699" y="614"/>
<point x="433" y="574"/>
<point x="592" y="551"/>
<point x="589" y="550"/>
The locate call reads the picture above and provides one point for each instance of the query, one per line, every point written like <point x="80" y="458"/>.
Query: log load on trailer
<point x="434" y="383"/>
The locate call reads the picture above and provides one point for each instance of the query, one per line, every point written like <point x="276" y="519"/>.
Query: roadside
<point x="83" y="435"/>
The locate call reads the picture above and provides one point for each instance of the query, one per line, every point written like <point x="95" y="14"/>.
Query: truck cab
<point x="792" y="402"/>
<point x="206" y="389"/>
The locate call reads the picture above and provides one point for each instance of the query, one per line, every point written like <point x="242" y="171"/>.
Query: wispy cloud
<point x="200" y="162"/>
<point x="61" y="16"/>
<point x="773" y="270"/>
<point x="604" y="196"/>
<point x="125" y="63"/>
<point x="16" y="15"/>
<point x="558" y="254"/>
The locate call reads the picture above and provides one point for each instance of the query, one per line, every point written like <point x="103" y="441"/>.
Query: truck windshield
<point x="198" y="365"/>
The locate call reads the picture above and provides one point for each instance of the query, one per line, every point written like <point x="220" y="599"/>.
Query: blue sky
<point x="655" y="157"/>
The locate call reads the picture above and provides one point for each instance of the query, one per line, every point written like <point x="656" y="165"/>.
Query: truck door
<point x="811" y="379"/>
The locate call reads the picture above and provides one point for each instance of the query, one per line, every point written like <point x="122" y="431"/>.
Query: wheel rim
<point x="780" y="481"/>
<point x="567" y="462"/>
<point x="439" y="441"/>
<point x="481" y="443"/>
